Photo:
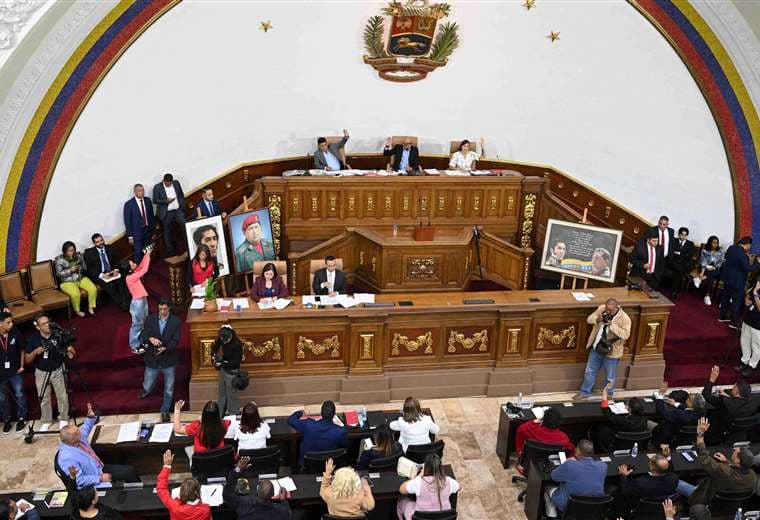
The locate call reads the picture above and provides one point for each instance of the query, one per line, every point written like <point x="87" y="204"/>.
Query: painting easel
<point x="576" y="279"/>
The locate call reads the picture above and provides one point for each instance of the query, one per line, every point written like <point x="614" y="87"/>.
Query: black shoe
<point x="740" y="367"/>
<point x="733" y="326"/>
<point x="143" y="395"/>
<point x="674" y="296"/>
<point x="165" y="418"/>
<point x="748" y="371"/>
<point x="7" y="427"/>
<point x="20" y="426"/>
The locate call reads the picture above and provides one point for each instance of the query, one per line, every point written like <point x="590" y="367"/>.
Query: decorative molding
<point x="654" y="328"/>
<point x="422" y="268"/>
<point x="275" y="212"/>
<point x="468" y="343"/>
<point x="14" y="14"/>
<point x="367" y="346"/>
<point x="546" y="335"/>
<point x="271" y="345"/>
<point x="207" y="345"/>
<point x="332" y="344"/>
<point x="513" y="340"/>
<point x="412" y="345"/>
<point x="529" y="210"/>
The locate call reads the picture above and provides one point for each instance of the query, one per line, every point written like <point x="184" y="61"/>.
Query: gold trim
<point x="526" y="272"/>
<point x="406" y="203"/>
<point x="510" y="202"/>
<point x="361" y="257"/>
<point x="388" y="206"/>
<point x="332" y="344"/>
<point x="493" y="206"/>
<point x="293" y="278"/>
<point x="270" y="345"/>
<point x="412" y="345"/>
<point x="374" y="264"/>
<point x="548" y="335"/>
<point x="480" y="338"/>
<point x="275" y="212"/>
<point x="370" y="204"/>
<point x="333" y="204"/>
<point x="476" y="203"/>
<point x="351" y="203"/>
<point x="207" y="345"/>
<point x="441" y="203"/>
<point x="529" y="210"/>
<point x="654" y="328"/>
<point x="296" y="203"/>
<point x="423" y="204"/>
<point x="314" y="204"/>
<point x="513" y="340"/>
<point x="368" y="346"/>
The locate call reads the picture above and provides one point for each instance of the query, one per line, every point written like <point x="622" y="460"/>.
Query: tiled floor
<point x="468" y="425"/>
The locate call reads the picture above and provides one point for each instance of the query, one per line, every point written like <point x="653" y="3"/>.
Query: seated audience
<point x="710" y="261"/>
<point x="603" y="435"/>
<point x="85" y="504"/>
<point x="728" y="406"/>
<point x="11" y="373"/>
<point x="673" y="415"/>
<point x="75" y="450"/>
<point x="188" y="505"/>
<point x="545" y="430"/>
<point x="262" y="505"/>
<point x="723" y="474"/>
<point x="207" y="434"/>
<point x="202" y="267"/>
<point x="431" y="488"/>
<point x="320" y="435"/>
<point x="269" y="286"/>
<point x="345" y="494"/>
<point x="734" y="277"/>
<point x="384" y="446"/>
<point x="580" y="476"/>
<point x="253" y="431"/>
<point x="327" y="157"/>
<point x="465" y="158"/>
<point x="681" y="259"/>
<point x="415" y="426"/>
<point x="9" y="510"/>
<point x="329" y="280"/>
<point x="750" y="336"/>
<point x="101" y="259"/>
<point x="660" y="482"/>
<point x="405" y="158"/>
<point x="71" y="271"/>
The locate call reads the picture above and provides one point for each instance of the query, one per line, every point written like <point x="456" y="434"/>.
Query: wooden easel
<point x="575" y="279"/>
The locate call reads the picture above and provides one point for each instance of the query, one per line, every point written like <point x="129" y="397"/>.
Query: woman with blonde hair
<point x="345" y="494"/>
<point x="415" y="426"/>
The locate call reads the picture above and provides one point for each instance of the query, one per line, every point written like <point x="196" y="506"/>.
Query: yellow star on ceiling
<point x="529" y="4"/>
<point x="265" y="26"/>
<point x="553" y="36"/>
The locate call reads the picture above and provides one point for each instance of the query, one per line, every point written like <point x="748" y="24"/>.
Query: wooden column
<point x="178" y="284"/>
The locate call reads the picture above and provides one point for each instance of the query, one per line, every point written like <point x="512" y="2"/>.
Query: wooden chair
<point x="12" y="291"/>
<point x="258" y="266"/>
<point x="399" y="139"/>
<point x="454" y="146"/>
<point x="45" y="291"/>
<point x="316" y="265"/>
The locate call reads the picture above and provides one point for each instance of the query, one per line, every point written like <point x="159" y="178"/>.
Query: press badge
<point x="7" y="365"/>
<point x="45" y="355"/>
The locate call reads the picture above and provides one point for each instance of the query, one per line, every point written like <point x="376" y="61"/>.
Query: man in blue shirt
<point x="581" y="476"/>
<point x="321" y="435"/>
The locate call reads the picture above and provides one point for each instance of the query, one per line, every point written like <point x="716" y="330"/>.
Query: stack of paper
<point x="308" y="299"/>
<point x="431" y="171"/>
<point x="22" y="504"/>
<point x="199" y="291"/>
<point x="108" y="434"/>
<point x="197" y="303"/>
<point x="346" y="301"/>
<point x="580" y="297"/>
<point x="457" y="173"/>
<point x="364" y="298"/>
<point x="162" y="432"/>
<point x="129" y="432"/>
<point x="240" y="302"/>
<point x="618" y="408"/>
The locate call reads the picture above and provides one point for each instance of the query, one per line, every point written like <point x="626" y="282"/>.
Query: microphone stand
<point x="476" y="233"/>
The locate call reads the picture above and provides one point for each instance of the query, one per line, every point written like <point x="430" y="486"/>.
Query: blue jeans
<point x="151" y="375"/>
<point x="139" y="311"/>
<point x="685" y="489"/>
<point x="594" y="363"/>
<point x="17" y="385"/>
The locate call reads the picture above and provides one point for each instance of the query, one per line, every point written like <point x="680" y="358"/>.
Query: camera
<point x="606" y="316"/>
<point x="60" y="339"/>
<point x="145" y="346"/>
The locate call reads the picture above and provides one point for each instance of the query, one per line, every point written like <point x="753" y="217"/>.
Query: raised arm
<point x="178" y="426"/>
<point x="294" y="421"/>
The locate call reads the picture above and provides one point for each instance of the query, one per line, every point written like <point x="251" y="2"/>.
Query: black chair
<point x="386" y="463"/>
<point x="537" y="453"/>
<point x="625" y="440"/>
<point x="417" y="453"/>
<point x="740" y="427"/>
<point x="314" y="461"/>
<point x="726" y="503"/>
<point x="588" y="508"/>
<point x="264" y="460"/>
<point x="68" y="482"/>
<point x="686" y="435"/>
<point x="650" y="508"/>
<point x="434" y="515"/>
<point x="213" y="463"/>
<point x="331" y="517"/>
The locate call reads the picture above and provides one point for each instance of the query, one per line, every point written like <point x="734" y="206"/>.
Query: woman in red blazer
<point x="269" y="285"/>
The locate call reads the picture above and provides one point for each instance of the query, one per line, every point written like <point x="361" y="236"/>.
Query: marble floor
<point x="468" y="426"/>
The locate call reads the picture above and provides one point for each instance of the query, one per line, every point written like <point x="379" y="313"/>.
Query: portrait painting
<point x="251" y="235"/>
<point x="209" y="231"/>
<point x="581" y="250"/>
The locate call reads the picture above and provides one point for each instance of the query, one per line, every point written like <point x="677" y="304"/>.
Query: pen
<point x="213" y="491"/>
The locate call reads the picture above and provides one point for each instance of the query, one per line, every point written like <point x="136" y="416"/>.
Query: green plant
<point x="373" y="37"/>
<point x="210" y="289"/>
<point x="446" y="41"/>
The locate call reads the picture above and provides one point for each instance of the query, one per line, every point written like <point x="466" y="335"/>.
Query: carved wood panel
<point x="468" y="340"/>
<point x="412" y="342"/>
<point x="263" y="348"/>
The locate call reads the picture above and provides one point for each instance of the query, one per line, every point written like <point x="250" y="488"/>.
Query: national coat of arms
<point x="417" y="43"/>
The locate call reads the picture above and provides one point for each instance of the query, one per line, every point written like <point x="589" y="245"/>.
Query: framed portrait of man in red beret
<point x="251" y="234"/>
<point x="209" y="232"/>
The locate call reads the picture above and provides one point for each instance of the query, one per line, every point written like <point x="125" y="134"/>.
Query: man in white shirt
<point x="170" y="207"/>
<point x="329" y="280"/>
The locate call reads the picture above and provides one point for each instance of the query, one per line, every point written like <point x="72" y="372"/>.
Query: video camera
<point x="60" y="339"/>
<point x="146" y="346"/>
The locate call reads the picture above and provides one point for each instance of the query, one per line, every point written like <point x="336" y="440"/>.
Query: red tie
<point x="142" y="212"/>
<point x="89" y="451"/>
<point x="651" y="260"/>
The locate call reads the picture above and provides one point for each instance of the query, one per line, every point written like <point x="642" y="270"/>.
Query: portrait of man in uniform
<point x="251" y="238"/>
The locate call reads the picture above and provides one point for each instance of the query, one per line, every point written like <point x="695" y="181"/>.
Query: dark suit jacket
<point x="396" y="151"/>
<point x="726" y="409"/>
<point x="159" y="197"/>
<point x="133" y="219"/>
<point x="670" y="237"/>
<point x="640" y="256"/>
<point x="320" y="277"/>
<point x="681" y="258"/>
<point x="319" y="156"/>
<point x="215" y="208"/>
<point x="649" y="486"/>
<point x="92" y="261"/>
<point x="736" y="267"/>
<point x="625" y="423"/>
<point x="247" y="507"/>
<point x="317" y="435"/>
<point x="259" y="286"/>
<point x="169" y="339"/>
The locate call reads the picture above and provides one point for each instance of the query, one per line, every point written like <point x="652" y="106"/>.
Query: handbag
<point x="241" y="380"/>
<point x="604" y="345"/>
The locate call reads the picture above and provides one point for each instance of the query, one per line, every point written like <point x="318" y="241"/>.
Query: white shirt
<point x="414" y="433"/>
<point x="255" y="440"/>
<point x="664" y="241"/>
<point x="598" y="335"/>
<point x="652" y="252"/>
<point x="330" y="280"/>
<point x="414" y="485"/>
<point x="459" y="160"/>
<point x="171" y="194"/>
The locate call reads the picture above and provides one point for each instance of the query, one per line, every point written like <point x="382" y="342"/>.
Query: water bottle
<point x="519" y="400"/>
<point x="635" y="450"/>
<point x="362" y="416"/>
<point x="739" y="515"/>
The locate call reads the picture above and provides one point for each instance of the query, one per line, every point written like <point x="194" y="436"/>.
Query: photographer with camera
<point x="159" y="341"/>
<point x="48" y="349"/>
<point x="11" y="372"/>
<point x="227" y="356"/>
<point x="612" y="327"/>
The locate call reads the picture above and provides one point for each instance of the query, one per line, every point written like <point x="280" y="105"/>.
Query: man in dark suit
<point x="406" y="157"/>
<point x="139" y="221"/>
<point x="208" y="207"/>
<point x="170" y="208"/>
<point x="734" y="273"/>
<point x="328" y="280"/>
<point x="321" y="435"/>
<point x="161" y="331"/>
<point x="648" y="262"/>
<point x="729" y="405"/>
<point x="665" y="235"/>
<point x="681" y="259"/>
<point x="328" y="157"/>
<point x="659" y="482"/>
<point x="674" y="415"/>
<point x="100" y="259"/>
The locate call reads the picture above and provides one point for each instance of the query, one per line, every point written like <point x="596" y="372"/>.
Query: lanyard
<point x="4" y="343"/>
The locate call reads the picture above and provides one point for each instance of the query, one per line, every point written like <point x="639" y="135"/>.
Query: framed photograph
<point x="251" y="235"/>
<point x="581" y="250"/>
<point x="209" y="231"/>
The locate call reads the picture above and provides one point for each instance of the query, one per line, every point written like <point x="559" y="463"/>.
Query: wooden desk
<point x="531" y="333"/>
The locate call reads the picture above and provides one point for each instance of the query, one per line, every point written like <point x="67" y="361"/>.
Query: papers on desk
<point x="309" y="299"/>
<point x="329" y="300"/>
<point x="346" y="301"/>
<point x="481" y="173"/>
<point x="198" y="291"/>
<point x="582" y="297"/>
<point x="618" y="408"/>
<point x="20" y="503"/>
<point x="129" y="432"/>
<point x="240" y="302"/>
<point x="223" y="304"/>
<point x="212" y="494"/>
<point x="431" y="171"/>
<point x="279" y="303"/>
<point x="538" y="411"/>
<point x="197" y="303"/>
<point x="161" y="432"/>
<point x="58" y="499"/>
<point x="364" y="298"/>
<point x="285" y="483"/>
<point x="457" y="173"/>
<point x="108" y="433"/>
